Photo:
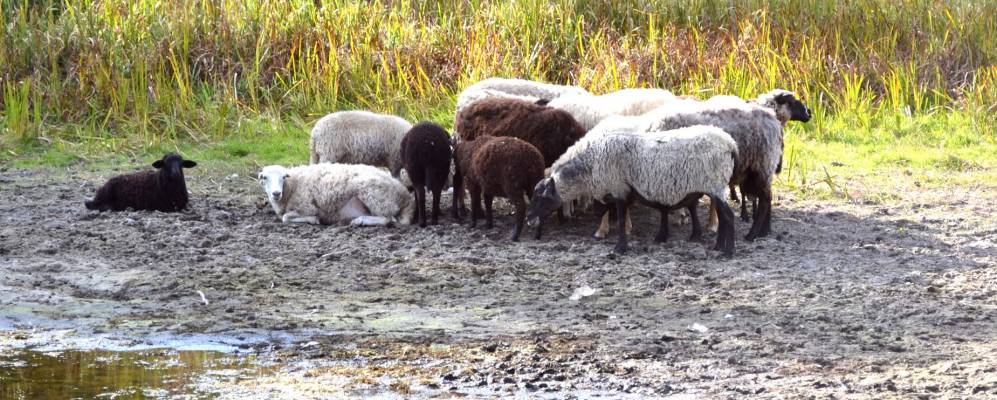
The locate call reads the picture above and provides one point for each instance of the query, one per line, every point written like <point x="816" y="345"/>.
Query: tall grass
<point x="143" y="72"/>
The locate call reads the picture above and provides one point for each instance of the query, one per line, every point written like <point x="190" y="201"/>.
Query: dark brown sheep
<point x="498" y="167"/>
<point x="162" y="190"/>
<point x="550" y="130"/>
<point x="426" y="158"/>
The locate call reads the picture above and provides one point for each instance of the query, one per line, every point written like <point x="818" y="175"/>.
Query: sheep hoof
<point x="620" y="248"/>
<point x="661" y="238"/>
<point x="696" y="237"/>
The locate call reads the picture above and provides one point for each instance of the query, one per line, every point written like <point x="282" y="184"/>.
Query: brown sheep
<point x="498" y="167"/>
<point x="550" y="130"/>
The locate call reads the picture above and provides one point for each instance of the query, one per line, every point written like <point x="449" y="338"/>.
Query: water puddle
<point x="102" y="374"/>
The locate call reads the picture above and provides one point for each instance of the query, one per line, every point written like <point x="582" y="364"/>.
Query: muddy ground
<point x="853" y="299"/>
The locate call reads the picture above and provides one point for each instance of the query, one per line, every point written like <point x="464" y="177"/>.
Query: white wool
<point x="590" y="110"/>
<point x="359" y="137"/>
<point x="755" y="128"/>
<point x="514" y="88"/>
<point x="663" y="167"/>
<point x="325" y="193"/>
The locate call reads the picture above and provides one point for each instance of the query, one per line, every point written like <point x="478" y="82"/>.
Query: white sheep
<point x="359" y="137"/>
<point x="665" y="170"/>
<point x="589" y="110"/>
<point x="522" y="89"/>
<point x="336" y="193"/>
<point x="758" y="134"/>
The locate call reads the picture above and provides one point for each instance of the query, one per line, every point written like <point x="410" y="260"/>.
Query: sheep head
<point x="544" y="201"/>
<point x="171" y="167"/>
<point x="273" y="178"/>
<point x="787" y="106"/>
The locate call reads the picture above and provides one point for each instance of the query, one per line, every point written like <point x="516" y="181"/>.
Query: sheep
<point x="666" y="170"/>
<point x="426" y="156"/>
<point x="498" y="167"/>
<point x="163" y="190"/>
<point x="787" y="107"/>
<point x="505" y="87"/>
<point x="336" y="193"/>
<point x="549" y="129"/>
<point x="359" y="137"/>
<point x="758" y="134"/>
<point x="589" y="110"/>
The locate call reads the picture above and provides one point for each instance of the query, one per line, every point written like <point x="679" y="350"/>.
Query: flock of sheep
<point x="546" y="148"/>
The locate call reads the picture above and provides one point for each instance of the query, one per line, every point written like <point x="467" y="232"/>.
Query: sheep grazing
<point x="426" y="155"/>
<point x="498" y="167"/>
<point x="336" y="193"/>
<point x="359" y="137"/>
<point x="548" y="129"/>
<point x="590" y="110"/>
<point x="161" y="190"/>
<point x="665" y="170"/>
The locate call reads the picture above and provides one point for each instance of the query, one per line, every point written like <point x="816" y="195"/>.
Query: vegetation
<point x="94" y="79"/>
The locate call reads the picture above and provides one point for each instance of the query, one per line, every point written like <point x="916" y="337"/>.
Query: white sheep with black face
<point x="335" y="194"/>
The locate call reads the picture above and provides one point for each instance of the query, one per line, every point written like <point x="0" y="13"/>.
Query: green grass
<point x="893" y="86"/>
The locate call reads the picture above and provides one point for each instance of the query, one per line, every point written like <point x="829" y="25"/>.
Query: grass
<point x="893" y="86"/>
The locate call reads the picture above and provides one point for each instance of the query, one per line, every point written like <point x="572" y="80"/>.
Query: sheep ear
<point x="189" y="164"/>
<point x="158" y="164"/>
<point x="784" y="98"/>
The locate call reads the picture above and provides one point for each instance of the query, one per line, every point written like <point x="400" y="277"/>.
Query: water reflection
<point x="26" y="374"/>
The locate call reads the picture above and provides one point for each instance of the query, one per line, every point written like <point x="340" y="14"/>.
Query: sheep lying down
<point x="332" y="194"/>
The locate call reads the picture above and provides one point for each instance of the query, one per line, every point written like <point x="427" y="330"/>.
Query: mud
<point x="855" y="299"/>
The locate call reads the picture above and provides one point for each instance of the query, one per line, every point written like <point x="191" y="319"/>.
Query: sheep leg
<point x="621" y="243"/>
<point x="520" y="217"/>
<point x="370" y="220"/>
<point x="697" y="230"/>
<point x="352" y="209"/>
<point x="603" y="226"/>
<point x="744" y="208"/>
<point x="662" y="235"/>
<point x="489" y="216"/>
<point x="458" y="195"/>
<point x="539" y="229"/>
<point x="475" y="204"/>
<point x="762" y="224"/>
<point x="733" y="192"/>
<point x="420" y="204"/>
<point x="436" y="205"/>
<point x="725" y="230"/>
<point x="712" y="223"/>
<point x="293" y="217"/>
<point x="629" y="225"/>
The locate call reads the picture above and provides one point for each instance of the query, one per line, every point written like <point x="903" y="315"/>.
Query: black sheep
<point x="162" y="190"/>
<point x="426" y="158"/>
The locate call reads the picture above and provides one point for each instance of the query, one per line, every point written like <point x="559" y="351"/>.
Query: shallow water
<point x="28" y="374"/>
